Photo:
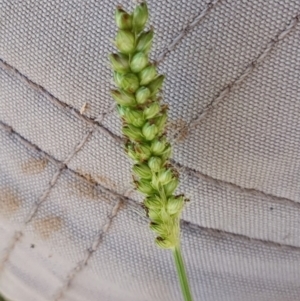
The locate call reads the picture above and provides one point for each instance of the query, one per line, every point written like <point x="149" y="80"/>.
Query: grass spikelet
<point x="144" y="118"/>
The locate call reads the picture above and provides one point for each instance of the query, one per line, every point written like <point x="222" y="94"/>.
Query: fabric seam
<point x="89" y="252"/>
<point x="115" y="138"/>
<point x="58" y="103"/>
<point x="226" y="91"/>
<point x="139" y="206"/>
<point x="174" y="43"/>
<point x="61" y="167"/>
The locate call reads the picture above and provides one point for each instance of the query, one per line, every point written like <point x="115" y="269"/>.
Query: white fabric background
<point x="71" y="228"/>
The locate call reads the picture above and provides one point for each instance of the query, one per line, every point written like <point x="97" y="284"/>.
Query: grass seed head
<point x="144" y="124"/>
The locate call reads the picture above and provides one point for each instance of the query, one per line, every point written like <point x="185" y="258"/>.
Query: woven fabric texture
<point x="72" y="227"/>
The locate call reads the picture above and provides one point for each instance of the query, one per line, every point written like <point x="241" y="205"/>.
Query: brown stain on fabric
<point x="34" y="166"/>
<point x="84" y="189"/>
<point x="87" y="176"/>
<point x="106" y="182"/>
<point x="9" y="201"/>
<point x="98" y="179"/>
<point x="88" y="187"/>
<point x="177" y="129"/>
<point x="47" y="226"/>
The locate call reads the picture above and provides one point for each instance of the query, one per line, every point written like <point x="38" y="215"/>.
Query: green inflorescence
<point x="144" y="124"/>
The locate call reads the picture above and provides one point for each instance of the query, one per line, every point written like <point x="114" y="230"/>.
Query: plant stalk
<point x="183" y="280"/>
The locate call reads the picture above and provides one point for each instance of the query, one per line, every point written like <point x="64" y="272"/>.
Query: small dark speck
<point x="271" y="208"/>
<point x="32" y="246"/>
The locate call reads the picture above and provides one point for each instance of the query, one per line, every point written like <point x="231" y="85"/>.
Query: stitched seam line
<point x="225" y="234"/>
<point x="138" y="205"/>
<point x="89" y="252"/>
<point x="56" y="176"/>
<point x="270" y="46"/>
<point x="183" y="169"/>
<point x="59" y="104"/>
<point x="217" y="233"/>
<point x="29" y="145"/>
<point x="186" y="30"/>
<point x="194" y="123"/>
<point x="61" y="167"/>
<point x="253" y="192"/>
<point x="13" y="241"/>
<point x="118" y="140"/>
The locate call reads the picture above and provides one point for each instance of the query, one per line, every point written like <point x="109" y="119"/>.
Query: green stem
<point x="184" y="283"/>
